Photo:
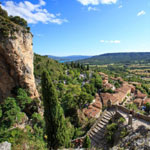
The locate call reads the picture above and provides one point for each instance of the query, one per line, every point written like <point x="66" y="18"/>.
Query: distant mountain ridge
<point x="69" y="58"/>
<point x="114" y="58"/>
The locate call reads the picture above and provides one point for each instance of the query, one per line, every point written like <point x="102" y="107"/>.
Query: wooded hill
<point x="115" y="58"/>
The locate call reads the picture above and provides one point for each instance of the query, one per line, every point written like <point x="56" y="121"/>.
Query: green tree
<point x="87" y="142"/>
<point x="3" y="12"/>
<point x="56" y="125"/>
<point x="10" y="113"/>
<point x="20" y="21"/>
<point x="22" y="98"/>
<point x="147" y="107"/>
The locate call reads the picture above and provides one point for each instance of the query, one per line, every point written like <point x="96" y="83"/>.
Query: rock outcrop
<point x="5" y="146"/>
<point x="16" y="64"/>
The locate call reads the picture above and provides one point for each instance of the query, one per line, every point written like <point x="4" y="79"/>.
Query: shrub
<point x="22" y="98"/>
<point x="10" y="113"/>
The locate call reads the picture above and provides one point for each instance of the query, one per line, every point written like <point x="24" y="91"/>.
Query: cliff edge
<point x="16" y="59"/>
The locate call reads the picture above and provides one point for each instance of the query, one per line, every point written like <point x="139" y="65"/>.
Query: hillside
<point x="69" y="58"/>
<point x="43" y="62"/>
<point x="114" y="58"/>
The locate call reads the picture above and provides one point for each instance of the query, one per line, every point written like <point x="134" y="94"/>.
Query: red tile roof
<point x="138" y="101"/>
<point x="140" y="95"/>
<point x="146" y="101"/>
<point x="93" y="109"/>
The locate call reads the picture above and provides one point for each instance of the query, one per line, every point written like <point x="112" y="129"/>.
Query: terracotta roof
<point x="120" y="96"/>
<point x="124" y="89"/>
<point x="93" y="109"/>
<point x="146" y="101"/>
<point x="108" y="86"/>
<point x="97" y="104"/>
<point x="138" y="101"/>
<point x="105" y="81"/>
<point x="106" y="97"/>
<point x="140" y="95"/>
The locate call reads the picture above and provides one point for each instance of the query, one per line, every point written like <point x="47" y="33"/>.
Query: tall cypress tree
<point x="56" y="125"/>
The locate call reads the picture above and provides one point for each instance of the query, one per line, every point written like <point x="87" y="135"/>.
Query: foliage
<point x="147" y="107"/>
<point x="10" y="113"/>
<point x="123" y="133"/>
<point x="10" y="25"/>
<point x="22" y="98"/>
<point x="19" y="21"/>
<point x="132" y="107"/>
<point x="121" y="120"/>
<point x="3" y="13"/>
<point x="87" y="142"/>
<point x="110" y="132"/>
<point x="42" y="63"/>
<point x="56" y="125"/>
<point x="115" y="58"/>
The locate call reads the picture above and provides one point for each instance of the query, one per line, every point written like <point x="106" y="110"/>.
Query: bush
<point x="18" y="20"/>
<point x="3" y="12"/>
<point x="121" y="120"/>
<point x="87" y="142"/>
<point x="10" y="113"/>
<point x="22" y="98"/>
<point x="111" y="128"/>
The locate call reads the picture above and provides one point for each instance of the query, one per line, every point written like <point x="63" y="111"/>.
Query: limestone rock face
<point x="16" y="65"/>
<point x="5" y="146"/>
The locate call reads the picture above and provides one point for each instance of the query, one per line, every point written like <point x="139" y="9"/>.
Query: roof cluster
<point x="119" y="96"/>
<point x="94" y="109"/>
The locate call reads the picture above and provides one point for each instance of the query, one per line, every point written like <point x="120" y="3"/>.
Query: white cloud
<point x="92" y="8"/>
<point x="120" y="6"/>
<point x="33" y="13"/>
<point x="111" y="41"/>
<point x="97" y="2"/>
<point x="108" y="1"/>
<point x="141" y="13"/>
<point x="87" y="2"/>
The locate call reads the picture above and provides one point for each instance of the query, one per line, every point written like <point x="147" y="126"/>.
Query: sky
<point x="85" y="27"/>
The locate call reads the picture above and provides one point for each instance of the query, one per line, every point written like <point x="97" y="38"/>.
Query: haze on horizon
<point x="85" y="27"/>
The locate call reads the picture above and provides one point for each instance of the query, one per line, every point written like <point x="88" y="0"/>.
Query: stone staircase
<point x="97" y="133"/>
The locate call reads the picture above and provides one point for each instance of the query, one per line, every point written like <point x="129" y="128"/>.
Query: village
<point x="125" y="95"/>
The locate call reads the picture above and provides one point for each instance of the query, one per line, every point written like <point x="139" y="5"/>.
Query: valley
<point x="75" y="102"/>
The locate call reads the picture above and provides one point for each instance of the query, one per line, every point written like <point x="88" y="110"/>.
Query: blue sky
<point x="85" y="27"/>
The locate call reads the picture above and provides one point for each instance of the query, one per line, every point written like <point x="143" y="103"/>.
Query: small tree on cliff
<point x="56" y="125"/>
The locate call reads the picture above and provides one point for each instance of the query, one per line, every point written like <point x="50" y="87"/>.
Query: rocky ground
<point x="135" y="140"/>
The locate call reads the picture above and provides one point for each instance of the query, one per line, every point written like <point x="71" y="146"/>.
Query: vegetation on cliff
<point x="20" y="124"/>
<point x="9" y="25"/>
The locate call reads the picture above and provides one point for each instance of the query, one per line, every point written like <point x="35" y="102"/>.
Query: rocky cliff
<point x="16" y="62"/>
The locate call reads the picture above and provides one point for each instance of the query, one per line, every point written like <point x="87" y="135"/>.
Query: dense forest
<point x="121" y="58"/>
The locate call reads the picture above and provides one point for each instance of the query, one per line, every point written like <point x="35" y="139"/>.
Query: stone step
<point x="95" y="140"/>
<point x="100" y="125"/>
<point x="99" y="133"/>
<point x="107" y="118"/>
<point x="98" y="128"/>
<point x="108" y="113"/>
<point x="98" y="136"/>
<point x="104" y="120"/>
<point x="95" y="130"/>
<point x="99" y="142"/>
<point x="93" y="144"/>
<point x="101" y="122"/>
